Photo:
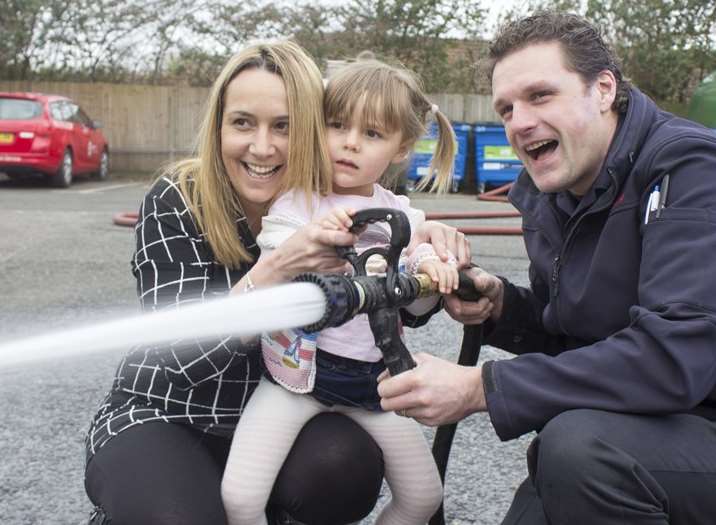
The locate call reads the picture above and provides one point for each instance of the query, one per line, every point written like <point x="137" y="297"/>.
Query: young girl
<point x="374" y="114"/>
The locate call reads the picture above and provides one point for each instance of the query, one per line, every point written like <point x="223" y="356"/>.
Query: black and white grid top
<point x="203" y="384"/>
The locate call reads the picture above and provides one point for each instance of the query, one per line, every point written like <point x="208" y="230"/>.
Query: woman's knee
<point x="333" y="473"/>
<point x="155" y="476"/>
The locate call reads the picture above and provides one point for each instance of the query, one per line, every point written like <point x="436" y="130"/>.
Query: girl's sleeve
<point x="419" y="311"/>
<point x="286" y="215"/>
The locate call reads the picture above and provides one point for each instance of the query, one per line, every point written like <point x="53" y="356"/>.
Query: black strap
<point x="469" y="353"/>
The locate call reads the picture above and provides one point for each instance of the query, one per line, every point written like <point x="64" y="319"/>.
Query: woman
<point x="158" y="444"/>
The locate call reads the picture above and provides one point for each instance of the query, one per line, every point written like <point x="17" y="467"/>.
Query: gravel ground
<point x="62" y="263"/>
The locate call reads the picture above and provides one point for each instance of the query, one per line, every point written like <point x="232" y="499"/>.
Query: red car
<point x="51" y="135"/>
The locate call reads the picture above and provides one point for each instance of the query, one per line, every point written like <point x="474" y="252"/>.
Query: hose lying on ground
<point x="495" y="195"/>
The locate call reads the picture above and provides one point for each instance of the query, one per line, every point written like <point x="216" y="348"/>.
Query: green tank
<point x="703" y="104"/>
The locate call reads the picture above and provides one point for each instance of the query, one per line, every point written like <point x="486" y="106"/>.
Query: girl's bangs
<point x="379" y="95"/>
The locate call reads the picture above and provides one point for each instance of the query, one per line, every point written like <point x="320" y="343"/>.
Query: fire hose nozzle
<point x="347" y="297"/>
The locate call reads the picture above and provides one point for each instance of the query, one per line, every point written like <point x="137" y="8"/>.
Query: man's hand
<point x="489" y="305"/>
<point x="434" y="393"/>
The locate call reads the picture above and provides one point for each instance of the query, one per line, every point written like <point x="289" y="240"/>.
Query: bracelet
<point x="249" y="286"/>
<point x="414" y="265"/>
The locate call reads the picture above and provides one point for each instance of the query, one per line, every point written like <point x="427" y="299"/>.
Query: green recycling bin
<point x="703" y="104"/>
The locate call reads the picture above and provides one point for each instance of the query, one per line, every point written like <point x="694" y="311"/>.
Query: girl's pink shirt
<point x="291" y="210"/>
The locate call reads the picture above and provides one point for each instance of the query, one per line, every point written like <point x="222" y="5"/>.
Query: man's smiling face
<point x="559" y="126"/>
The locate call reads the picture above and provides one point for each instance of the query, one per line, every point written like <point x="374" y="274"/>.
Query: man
<point x="616" y="335"/>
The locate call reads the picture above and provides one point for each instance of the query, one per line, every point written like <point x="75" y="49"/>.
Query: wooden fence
<point x="147" y="126"/>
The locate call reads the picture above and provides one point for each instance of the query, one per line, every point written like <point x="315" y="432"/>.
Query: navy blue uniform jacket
<point x="620" y="315"/>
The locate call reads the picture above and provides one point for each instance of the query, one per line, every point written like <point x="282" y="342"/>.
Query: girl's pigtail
<point x="443" y="158"/>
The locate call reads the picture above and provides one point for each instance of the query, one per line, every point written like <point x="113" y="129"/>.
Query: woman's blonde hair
<point x="203" y="180"/>
<point x="393" y="99"/>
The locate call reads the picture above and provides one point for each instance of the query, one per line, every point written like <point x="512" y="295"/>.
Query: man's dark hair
<point x="585" y="50"/>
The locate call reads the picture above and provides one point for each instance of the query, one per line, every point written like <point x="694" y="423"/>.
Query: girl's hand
<point x="442" y="273"/>
<point x="338" y="219"/>
<point x="444" y="239"/>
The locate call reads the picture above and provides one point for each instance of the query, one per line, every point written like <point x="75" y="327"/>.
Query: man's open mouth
<point x="260" y="172"/>
<point x="536" y="150"/>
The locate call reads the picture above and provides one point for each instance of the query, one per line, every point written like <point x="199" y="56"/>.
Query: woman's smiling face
<point x="254" y="136"/>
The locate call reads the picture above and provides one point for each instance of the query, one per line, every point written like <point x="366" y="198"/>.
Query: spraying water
<point x="285" y="306"/>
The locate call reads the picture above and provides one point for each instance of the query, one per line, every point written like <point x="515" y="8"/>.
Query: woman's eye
<point x="241" y="123"/>
<point x="282" y="126"/>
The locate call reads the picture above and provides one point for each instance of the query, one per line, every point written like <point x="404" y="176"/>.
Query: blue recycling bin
<point x="496" y="162"/>
<point x="425" y="148"/>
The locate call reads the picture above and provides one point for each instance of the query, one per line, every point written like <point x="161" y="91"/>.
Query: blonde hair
<point x="393" y="99"/>
<point x="203" y="180"/>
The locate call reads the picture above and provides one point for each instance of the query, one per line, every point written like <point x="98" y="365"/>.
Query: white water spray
<point x="277" y="308"/>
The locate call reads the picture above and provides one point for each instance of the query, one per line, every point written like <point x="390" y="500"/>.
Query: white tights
<point x="267" y="429"/>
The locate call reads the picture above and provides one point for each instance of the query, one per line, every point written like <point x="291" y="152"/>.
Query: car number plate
<point x="6" y="138"/>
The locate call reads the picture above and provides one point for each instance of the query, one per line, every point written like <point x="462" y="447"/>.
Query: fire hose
<point x="496" y="195"/>
<point x="381" y="297"/>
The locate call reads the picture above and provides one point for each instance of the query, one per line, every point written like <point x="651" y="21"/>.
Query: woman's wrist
<point x="261" y="274"/>
<point x="268" y="270"/>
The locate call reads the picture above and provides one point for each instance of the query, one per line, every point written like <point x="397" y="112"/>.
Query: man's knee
<point x="567" y="450"/>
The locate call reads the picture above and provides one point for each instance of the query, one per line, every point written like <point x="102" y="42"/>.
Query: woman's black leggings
<point x="170" y="474"/>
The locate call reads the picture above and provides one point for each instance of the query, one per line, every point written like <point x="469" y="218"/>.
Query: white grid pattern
<point x="203" y="384"/>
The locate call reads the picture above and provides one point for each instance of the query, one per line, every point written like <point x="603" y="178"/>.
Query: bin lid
<point x="488" y="127"/>
<point x="703" y="103"/>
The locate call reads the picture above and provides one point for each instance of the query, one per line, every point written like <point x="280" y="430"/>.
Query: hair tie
<point x="434" y="109"/>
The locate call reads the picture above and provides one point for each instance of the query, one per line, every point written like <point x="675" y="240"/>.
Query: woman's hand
<point x="445" y="240"/>
<point x="311" y="249"/>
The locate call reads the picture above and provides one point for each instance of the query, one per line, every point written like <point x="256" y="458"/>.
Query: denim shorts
<point x="349" y="382"/>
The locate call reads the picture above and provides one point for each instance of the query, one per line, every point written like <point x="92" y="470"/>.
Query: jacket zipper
<point x="555" y="276"/>
<point x="557" y="261"/>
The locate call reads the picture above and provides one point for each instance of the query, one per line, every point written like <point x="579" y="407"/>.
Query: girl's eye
<point x="335" y="124"/>
<point x="373" y="134"/>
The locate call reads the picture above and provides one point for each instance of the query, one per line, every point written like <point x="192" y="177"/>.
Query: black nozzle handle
<point x="399" y="237"/>
<point x="466" y="289"/>
<point x="399" y="362"/>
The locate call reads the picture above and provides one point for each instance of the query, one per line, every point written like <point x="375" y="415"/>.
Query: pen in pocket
<point x="662" y="196"/>
<point x="652" y="203"/>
